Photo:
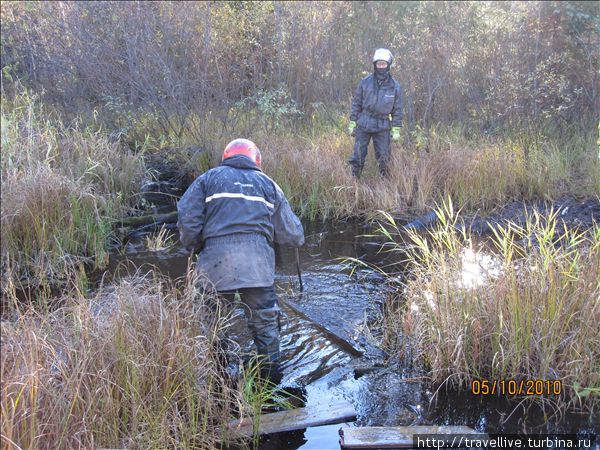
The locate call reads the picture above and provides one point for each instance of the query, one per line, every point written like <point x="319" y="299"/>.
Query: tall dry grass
<point x="61" y="186"/>
<point x="309" y="159"/>
<point x="523" y="307"/>
<point x="478" y="173"/>
<point x="137" y="365"/>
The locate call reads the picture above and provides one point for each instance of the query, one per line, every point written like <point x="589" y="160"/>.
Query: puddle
<point x="312" y="360"/>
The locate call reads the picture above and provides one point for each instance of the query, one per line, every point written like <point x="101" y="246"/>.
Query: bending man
<point x="235" y="213"/>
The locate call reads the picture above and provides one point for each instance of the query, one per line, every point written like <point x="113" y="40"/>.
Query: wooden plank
<point x="335" y="411"/>
<point x="392" y="437"/>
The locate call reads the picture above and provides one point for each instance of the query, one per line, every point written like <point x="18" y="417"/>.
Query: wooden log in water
<point x="336" y="338"/>
<point x="422" y="222"/>
<point x="137" y="221"/>
<point x="336" y="411"/>
<point x="392" y="437"/>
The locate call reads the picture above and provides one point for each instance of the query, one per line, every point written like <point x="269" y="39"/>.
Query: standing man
<point x="235" y="213"/>
<point x="377" y="97"/>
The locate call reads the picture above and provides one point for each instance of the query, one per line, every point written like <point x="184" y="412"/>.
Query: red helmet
<point x="243" y="147"/>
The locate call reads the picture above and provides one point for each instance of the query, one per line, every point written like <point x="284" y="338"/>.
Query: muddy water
<point x="315" y="363"/>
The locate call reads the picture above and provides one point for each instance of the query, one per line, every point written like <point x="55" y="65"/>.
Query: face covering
<point x="381" y="74"/>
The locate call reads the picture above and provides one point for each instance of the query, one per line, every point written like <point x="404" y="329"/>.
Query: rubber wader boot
<point x="264" y="324"/>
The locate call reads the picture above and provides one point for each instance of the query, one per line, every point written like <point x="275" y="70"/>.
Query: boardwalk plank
<point x="335" y="411"/>
<point x="392" y="437"/>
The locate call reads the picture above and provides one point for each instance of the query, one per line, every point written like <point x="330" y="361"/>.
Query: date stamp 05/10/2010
<point x="516" y="387"/>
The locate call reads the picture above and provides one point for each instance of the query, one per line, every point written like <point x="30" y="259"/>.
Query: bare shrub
<point x="179" y="66"/>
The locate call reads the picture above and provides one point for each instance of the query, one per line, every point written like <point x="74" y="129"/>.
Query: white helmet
<point x="383" y="54"/>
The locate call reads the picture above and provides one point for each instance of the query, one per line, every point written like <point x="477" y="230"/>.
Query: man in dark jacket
<point x="377" y="97"/>
<point x="235" y="213"/>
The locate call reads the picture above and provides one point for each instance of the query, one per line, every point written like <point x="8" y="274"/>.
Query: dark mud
<point x="163" y="188"/>
<point x="573" y="213"/>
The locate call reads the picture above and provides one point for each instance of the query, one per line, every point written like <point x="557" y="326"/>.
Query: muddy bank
<point x="161" y="191"/>
<point x="574" y="213"/>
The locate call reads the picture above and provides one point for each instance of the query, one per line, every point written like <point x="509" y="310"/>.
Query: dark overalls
<point x="373" y="104"/>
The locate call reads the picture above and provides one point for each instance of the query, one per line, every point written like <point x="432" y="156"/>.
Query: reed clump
<point x="138" y="365"/>
<point x="522" y="307"/>
<point x="61" y="188"/>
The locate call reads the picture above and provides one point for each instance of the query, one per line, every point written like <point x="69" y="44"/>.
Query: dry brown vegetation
<point x="137" y="365"/>
<point x="479" y="174"/>
<point x="61" y="188"/>
<point x="491" y="65"/>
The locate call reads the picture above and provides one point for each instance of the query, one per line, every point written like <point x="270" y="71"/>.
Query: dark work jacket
<point x="372" y="105"/>
<point x="236" y="213"/>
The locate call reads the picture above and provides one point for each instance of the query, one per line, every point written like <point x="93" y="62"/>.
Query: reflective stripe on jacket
<point x="238" y="212"/>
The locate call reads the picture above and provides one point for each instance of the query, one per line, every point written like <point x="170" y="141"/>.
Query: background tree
<point x="487" y="65"/>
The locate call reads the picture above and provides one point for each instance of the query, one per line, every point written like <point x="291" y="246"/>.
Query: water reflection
<point x="340" y="301"/>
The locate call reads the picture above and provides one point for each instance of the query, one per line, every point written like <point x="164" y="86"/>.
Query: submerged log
<point x="335" y="411"/>
<point x="137" y="221"/>
<point x="422" y="222"/>
<point x="393" y="437"/>
<point x="336" y="338"/>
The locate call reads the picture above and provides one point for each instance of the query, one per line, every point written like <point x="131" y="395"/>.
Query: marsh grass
<point x="259" y="394"/>
<point x="523" y="307"/>
<point x="309" y="159"/>
<point x="137" y="365"/>
<point x="479" y="173"/>
<point x="162" y="240"/>
<point x="61" y="187"/>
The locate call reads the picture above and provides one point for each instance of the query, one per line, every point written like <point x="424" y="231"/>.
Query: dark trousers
<point x="381" y="142"/>
<point x="262" y="312"/>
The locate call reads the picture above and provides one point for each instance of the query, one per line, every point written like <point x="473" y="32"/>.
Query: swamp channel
<point x="329" y="338"/>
